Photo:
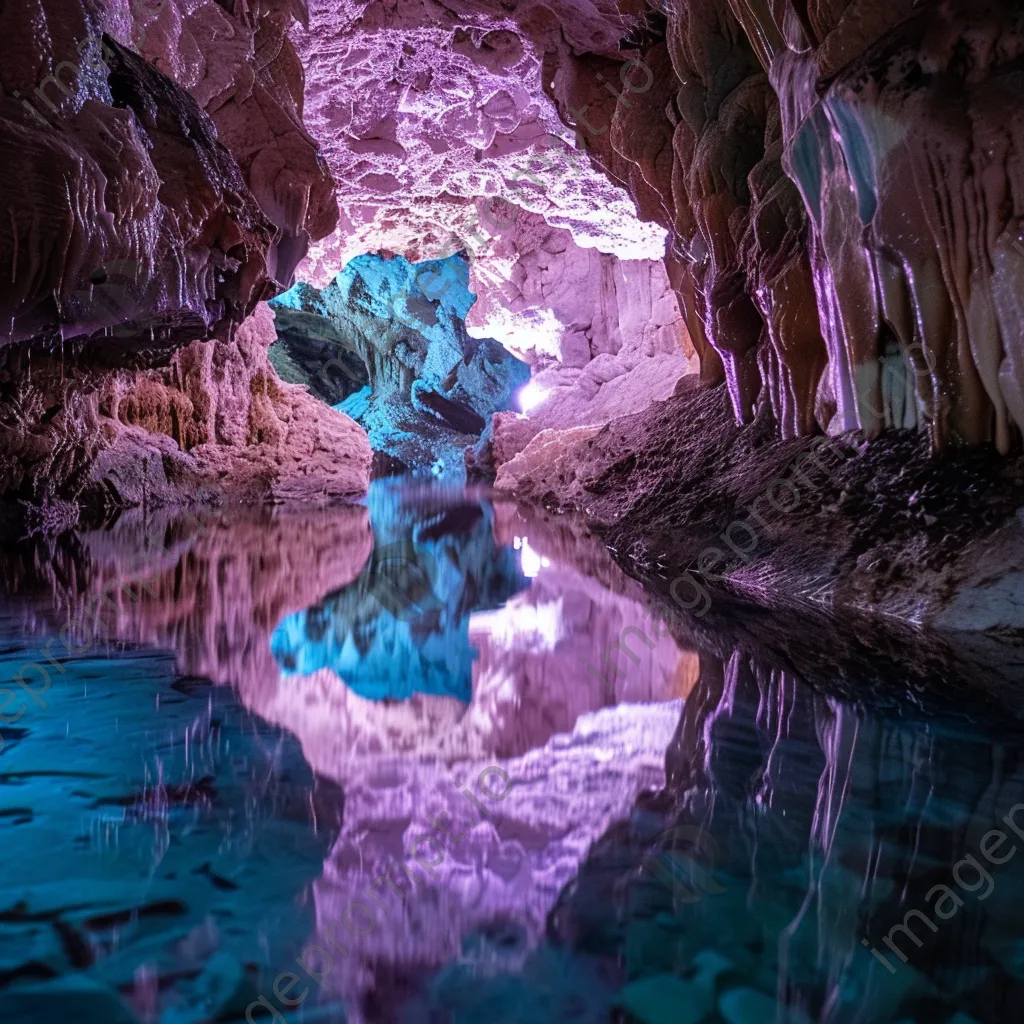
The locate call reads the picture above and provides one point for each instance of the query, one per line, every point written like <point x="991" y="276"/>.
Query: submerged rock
<point x="665" y="999"/>
<point x="165" y="846"/>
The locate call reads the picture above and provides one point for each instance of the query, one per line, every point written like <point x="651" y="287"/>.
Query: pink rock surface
<point x="519" y="458"/>
<point x="605" y="337"/>
<point x="242" y="69"/>
<point x="446" y="129"/>
<point x="439" y="126"/>
<point x="227" y="409"/>
<point x="216" y="421"/>
<point x="580" y="752"/>
<point x="558" y="301"/>
<point x="149" y="201"/>
<point x="421" y="107"/>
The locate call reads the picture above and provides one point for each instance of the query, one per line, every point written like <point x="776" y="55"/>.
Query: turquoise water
<point x="351" y="764"/>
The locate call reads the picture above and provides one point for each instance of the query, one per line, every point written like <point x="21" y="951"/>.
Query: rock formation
<point x="188" y="221"/>
<point x="140" y="235"/>
<point x="310" y="350"/>
<point x="823" y="523"/>
<point x="431" y="388"/>
<point x="238" y="62"/>
<point x="776" y="145"/>
<point x="442" y="131"/>
<point x="831" y="275"/>
<point x="214" y="424"/>
<point x="815" y="204"/>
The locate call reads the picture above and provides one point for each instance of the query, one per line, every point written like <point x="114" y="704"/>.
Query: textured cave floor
<point x="300" y="691"/>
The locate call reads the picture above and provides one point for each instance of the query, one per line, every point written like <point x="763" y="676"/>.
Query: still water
<point x="376" y="763"/>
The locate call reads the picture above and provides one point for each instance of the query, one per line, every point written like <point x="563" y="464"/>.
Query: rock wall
<point x="237" y="61"/>
<point x="704" y="509"/>
<point x="122" y="206"/>
<point x="158" y="184"/>
<point x="868" y="285"/>
<point x="216" y="423"/>
<point x="187" y="219"/>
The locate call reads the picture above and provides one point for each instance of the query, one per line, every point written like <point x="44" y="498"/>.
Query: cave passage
<point x="386" y="344"/>
<point x="511" y="512"/>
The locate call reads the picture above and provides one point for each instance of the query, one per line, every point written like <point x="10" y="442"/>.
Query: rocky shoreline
<point x="687" y="500"/>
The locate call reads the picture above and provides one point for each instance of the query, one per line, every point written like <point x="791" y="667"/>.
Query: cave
<point x="624" y="406"/>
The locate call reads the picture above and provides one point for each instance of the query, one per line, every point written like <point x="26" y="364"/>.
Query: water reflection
<point x="702" y="838"/>
<point x="299" y="613"/>
<point x="402" y="627"/>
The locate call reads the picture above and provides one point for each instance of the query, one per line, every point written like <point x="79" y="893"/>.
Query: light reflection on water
<point x="335" y="684"/>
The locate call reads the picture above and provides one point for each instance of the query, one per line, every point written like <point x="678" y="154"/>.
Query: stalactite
<point x="906" y="151"/>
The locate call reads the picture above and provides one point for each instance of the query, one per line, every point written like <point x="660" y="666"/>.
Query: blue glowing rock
<point x="431" y="387"/>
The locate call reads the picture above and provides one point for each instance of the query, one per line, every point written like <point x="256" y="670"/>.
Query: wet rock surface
<point x="879" y="526"/>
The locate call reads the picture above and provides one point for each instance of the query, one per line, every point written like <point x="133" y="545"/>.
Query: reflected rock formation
<point x="797" y="832"/>
<point x="580" y="748"/>
<point x="831" y="872"/>
<point x="402" y="627"/>
<point x="211" y="588"/>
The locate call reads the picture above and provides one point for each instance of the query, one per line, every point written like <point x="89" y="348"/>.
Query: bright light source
<point x="531" y="561"/>
<point x="530" y="396"/>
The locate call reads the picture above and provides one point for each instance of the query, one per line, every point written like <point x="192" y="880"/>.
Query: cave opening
<point x="386" y="343"/>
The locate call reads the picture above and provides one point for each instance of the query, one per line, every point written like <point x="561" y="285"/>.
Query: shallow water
<point x="385" y="740"/>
